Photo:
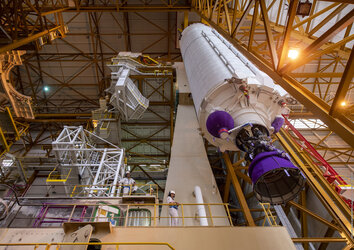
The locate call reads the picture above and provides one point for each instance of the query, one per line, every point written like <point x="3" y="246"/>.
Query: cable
<point x="4" y="215"/>
<point x="13" y="190"/>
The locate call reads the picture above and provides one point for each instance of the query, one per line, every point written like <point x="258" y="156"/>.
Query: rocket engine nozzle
<point x="275" y="178"/>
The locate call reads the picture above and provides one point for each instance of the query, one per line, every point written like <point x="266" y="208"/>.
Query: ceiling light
<point x="343" y="103"/>
<point x="293" y="53"/>
<point x="46" y="88"/>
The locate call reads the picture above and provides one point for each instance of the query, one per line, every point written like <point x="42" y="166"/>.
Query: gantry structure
<point x="70" y="42"/>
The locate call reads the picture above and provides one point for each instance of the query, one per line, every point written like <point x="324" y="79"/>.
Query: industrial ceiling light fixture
<point x="343" y="103"/>
<point x="46" y="88"/>
<point x="304" y="8"/>
<point x="293" y="53"/>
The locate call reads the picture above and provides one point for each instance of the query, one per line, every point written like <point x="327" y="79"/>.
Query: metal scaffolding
<point x="96" y="166"/>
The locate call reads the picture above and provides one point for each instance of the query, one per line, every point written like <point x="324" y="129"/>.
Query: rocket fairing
<point x="238" y="107"/>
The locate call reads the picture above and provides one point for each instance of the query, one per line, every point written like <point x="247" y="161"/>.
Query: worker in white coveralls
<point x="128" y="184"/>
<point x="173" y="210"/>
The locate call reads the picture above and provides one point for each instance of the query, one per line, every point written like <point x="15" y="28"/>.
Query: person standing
<point x="173" y="209"/>
<point x="128" y="184"/>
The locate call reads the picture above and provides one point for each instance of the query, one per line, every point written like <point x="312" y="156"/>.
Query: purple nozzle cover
<point x="218" y="122"/>
<point x="277" y="123"/>
<point x="268" y="161"/>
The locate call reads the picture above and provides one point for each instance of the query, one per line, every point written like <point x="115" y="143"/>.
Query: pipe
<point x="200" y="208"/>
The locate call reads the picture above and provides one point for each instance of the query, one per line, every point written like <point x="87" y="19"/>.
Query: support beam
<point x="253" y="26"/>
<point x="304" y="227"/>
<point x="332" y="205"/>
<point x="329" y="233"/>
<point x="343" y="85"/>
<point x="287" y="33"/>
<point x="26" y="40"/>
<point x="302" y="240"/>
<point x="241" y="197"/>
<point x="243" y="18"/>
<point x="269" y="34"/>
<point x="227" y="188"/>
<point x="325" y="37"/>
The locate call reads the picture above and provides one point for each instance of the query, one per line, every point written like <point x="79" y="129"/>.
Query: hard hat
<point x="128" y="172"/>
<point x="172" y="192"/>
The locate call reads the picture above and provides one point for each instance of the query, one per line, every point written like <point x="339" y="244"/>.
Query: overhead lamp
<point x="343" y="103"/>
<point x="46" y="88"/>
<point x="304" y="8"/>
<point x="293" y="53"/>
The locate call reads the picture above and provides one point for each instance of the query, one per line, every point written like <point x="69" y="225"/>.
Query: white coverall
<point x="173" y="212"/>
<point x="128" y="183"/>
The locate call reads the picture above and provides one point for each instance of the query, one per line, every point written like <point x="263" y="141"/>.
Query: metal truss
<point x="25" y="22"/>
<point x="266" y="42"/>
<point x="34" y="74"/>
<point x="127" y="6"/>
<point x="333" y="150"/>
<point x="152" y="145"/>
<point x="20" y="103"/>
<point x="96" y="165"/>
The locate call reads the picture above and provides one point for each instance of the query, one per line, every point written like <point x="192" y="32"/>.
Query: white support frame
<point x="104" y="166"/>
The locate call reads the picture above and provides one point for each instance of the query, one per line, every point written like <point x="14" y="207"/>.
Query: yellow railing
<point x="268" y="215"/>
<point x="105" y="124"/>
<point x="349" y="182"/>
<point x="59" y="244"/>
<point x="146" y="214"/>
<point x="54" y="177"/>
<point x="212" y="218"/>
<point x="19" y="130"/>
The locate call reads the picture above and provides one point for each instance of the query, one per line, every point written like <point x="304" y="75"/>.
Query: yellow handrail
<point x="154" y="216"/>
<point x="57" y="177"/>
<point x="19" y="129"/>
<point x="117" y="244"/>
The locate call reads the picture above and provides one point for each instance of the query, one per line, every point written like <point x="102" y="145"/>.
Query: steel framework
<point x="320" y="81"/>
<point x="231" y="19"/>
<point x="21" y="104"/>
<point x="96" y="166"/>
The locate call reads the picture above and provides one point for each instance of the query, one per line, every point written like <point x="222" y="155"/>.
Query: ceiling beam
<point x="343" y="86"/>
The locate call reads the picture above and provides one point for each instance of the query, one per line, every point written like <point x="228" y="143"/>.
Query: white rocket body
<point x="222" y="79"/>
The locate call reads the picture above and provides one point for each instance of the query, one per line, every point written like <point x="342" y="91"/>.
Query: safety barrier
<point x="54" y="176"/>
<point x="134" y="190"/>
<point x="122" y="215"/>
<point x="49" y="246"/>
